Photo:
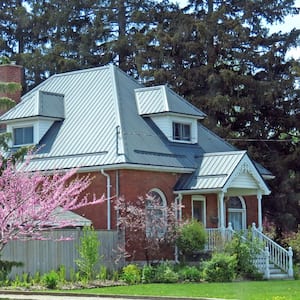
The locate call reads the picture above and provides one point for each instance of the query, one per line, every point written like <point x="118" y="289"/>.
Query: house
<point x="134" y="140"/>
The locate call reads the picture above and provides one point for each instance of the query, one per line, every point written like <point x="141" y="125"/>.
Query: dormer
<point x="173" y="115"/>
<point x="31" y="118"/>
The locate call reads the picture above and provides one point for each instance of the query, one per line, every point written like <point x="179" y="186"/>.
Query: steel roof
<point x="102" y="126"/>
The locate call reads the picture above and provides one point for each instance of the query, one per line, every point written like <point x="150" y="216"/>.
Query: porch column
<point x="259" y="212"/>
<point x="221" y="211"/>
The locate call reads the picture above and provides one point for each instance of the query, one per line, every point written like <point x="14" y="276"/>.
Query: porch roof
<point x="221" y="171"/>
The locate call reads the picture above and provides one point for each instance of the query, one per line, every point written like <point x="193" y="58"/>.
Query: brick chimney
<point x="12" y="73"/>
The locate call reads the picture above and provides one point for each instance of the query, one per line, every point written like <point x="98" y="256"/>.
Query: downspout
<point x="108" y="198"/>
<point x="178" y="216"/>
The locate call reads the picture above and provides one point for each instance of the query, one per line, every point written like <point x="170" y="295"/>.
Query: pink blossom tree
<point x="149" y="228"/>
<point x="32" y="203"/>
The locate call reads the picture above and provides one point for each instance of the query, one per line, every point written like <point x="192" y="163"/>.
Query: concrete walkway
<point x="34" y="296"/>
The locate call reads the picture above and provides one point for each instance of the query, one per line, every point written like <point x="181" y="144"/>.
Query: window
<point x="199" y="209"/>
<point x="181" y="132"/>
<point x="237" y="213"/>
<point x="23" y="135"/>
<point x="156" y="216"/>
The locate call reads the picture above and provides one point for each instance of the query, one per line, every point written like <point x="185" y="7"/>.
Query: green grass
<point x="254" y="290"/>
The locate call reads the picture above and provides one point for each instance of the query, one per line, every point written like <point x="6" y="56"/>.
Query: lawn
<point x="254" y="290"/>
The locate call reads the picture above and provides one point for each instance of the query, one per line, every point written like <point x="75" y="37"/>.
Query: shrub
<point x="50" y="280"/>
<point x="5" y="269"/>
<point x="89" y="253"/>
<point x="191" y="238"/>
<point x="164" y="273"/>
<point x="245" y="251"/>
<point x="148" y="274"/>
<point x="131" y="274"/>
<point x="221" y="268"/>
<point x="188" y="273"/>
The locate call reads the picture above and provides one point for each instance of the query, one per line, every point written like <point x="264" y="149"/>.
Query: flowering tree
<point x="147" y="222"/>
<point x="31" y="202"/>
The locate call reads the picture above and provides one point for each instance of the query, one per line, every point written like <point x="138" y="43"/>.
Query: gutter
<point x="178" y="216"/>
<point x="108" y="186"/>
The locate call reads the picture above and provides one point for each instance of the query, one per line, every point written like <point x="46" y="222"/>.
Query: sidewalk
<point x="34" y="296"/>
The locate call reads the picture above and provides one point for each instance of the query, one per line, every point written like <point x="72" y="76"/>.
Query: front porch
<point x="273" y="261"/>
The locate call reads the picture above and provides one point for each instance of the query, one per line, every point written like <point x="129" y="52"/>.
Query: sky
<point x="288" y="25"/>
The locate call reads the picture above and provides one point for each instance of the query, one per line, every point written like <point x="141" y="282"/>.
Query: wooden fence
<point x="45" y="255"/>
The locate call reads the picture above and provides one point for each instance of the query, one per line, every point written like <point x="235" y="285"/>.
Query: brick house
<point x="134" y="140"/>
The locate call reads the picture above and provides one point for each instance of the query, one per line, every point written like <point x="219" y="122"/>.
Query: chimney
<point x="12" y="73"/>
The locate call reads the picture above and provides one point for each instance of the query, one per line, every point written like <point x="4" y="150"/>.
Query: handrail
<point x="278" y="255"/>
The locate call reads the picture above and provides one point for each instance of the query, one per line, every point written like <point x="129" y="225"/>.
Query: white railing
<point x="217" y="237"/>
<point x="271" y="252"/>
<point x="274" y="253"/>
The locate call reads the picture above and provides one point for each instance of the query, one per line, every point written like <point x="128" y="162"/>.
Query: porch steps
<point x="277" y="273"/>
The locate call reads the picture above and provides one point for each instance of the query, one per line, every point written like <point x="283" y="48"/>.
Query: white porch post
<point x="259" y="215"/>
<point x="221" y="211"/>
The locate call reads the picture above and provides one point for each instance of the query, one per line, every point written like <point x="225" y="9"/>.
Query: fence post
<point x="267" y="269"/>
<point x="291" y="270"/>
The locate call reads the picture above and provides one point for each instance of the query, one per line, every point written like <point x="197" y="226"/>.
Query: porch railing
<point x="271" y="252"/>
<point x="275" y="253"/>
<point x="216" y="237"/>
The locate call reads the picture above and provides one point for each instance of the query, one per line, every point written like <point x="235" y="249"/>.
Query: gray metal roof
<point x="103" y="127"/>
<point x="161" y="99"/>
<point x="38" y="103"/>
<point x="215" y="170"/>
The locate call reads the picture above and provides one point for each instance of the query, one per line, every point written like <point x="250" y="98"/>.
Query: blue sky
<point x="288" y="25"/>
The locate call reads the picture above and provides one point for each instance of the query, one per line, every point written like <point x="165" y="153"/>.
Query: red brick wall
<point x="252" y="209"/>
<point x="211" y="209"/>
<point x="135" y="184"/>
<point x="98" y="213"/>
<point x="12" y="73"/>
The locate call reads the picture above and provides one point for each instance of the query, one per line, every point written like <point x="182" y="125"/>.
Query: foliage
<point x="191" y="237"/>
<point x="164" y="273"/>
<point x="32" y="203"/>
<point x="89" y="256"/>
<point x="148" y="274"/>
<point x="221" y="268"/>
<point x="190" y="273"/>
<point x="6" y="267"/>
<point x="131" y="274"/>
<point x="51" y="280"/>
<point x="292" y="239"/>
<point x="155" y="231"/>
<point x="244" y="250"/>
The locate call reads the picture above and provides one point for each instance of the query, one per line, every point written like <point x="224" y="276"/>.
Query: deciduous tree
<point x="32" y="203"/>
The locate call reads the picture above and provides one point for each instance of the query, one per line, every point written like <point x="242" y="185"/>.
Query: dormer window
<point x="181" y="132"/>
<point x="23" y="135"/>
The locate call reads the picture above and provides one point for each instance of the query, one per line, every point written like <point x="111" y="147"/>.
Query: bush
<point x="191" y="238"/>
<point x="50" y="280"/>
<point x="188" y="273"/>
<point x="245" y="251"/>
<point x="5" y="269"/>
<point x="131" y="274"/>
<point x="221" y="268"/>
<point x="89" y="253"/>
<point x="148" y="274"/>
<point x="165" y="273"/>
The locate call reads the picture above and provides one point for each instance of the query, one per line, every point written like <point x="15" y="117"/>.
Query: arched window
<point x="156" y="214"/>
<point x="237" y="213"/>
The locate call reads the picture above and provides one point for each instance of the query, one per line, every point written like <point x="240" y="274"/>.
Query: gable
<point x="225" y="171"/>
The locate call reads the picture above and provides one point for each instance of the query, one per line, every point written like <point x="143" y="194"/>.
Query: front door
<point x="236" y="212"/>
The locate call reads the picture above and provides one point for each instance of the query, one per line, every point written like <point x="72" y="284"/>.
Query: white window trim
<point x="240" y="210"/>
<point x="23" y="126"/>
<point x="202" y="199"/>
<point x="164" y="206"/>
<point x="189" y="141"/>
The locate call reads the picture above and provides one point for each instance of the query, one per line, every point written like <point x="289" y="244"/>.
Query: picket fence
<point x="45" y="255"/>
